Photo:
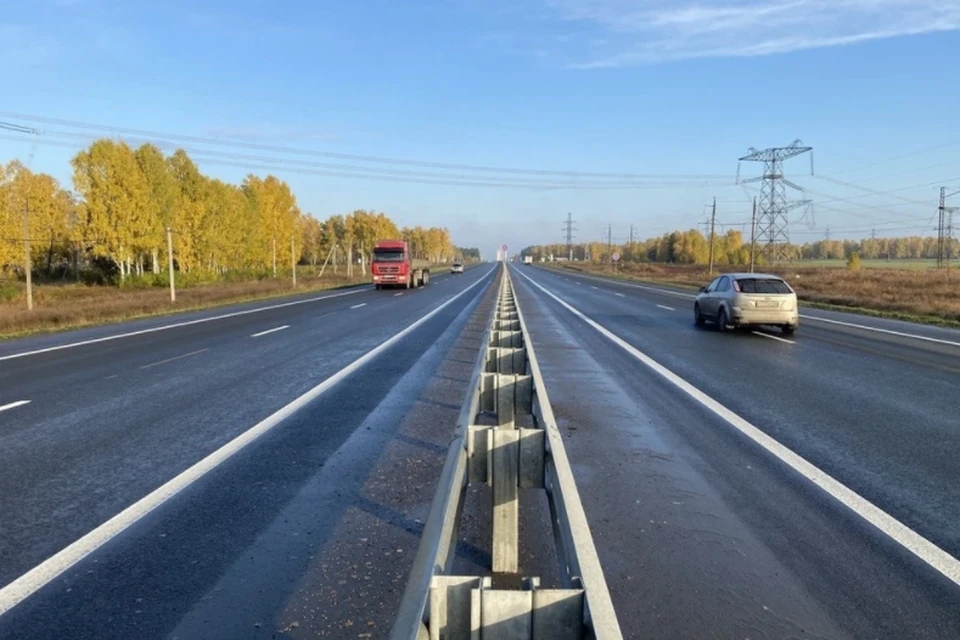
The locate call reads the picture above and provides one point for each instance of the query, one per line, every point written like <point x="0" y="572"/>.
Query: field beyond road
<point x="912" y="293"/>
<point x="71" y="306"/>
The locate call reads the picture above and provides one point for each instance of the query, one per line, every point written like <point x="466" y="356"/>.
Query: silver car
<point x="748" y="299"/>
<point x="457" y="267"/>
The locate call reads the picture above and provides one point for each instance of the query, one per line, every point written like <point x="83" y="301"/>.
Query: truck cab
<point x="393" y="266"/>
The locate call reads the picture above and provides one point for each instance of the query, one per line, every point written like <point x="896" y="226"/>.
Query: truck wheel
<point x="378" y="287"/>
<point x="426" y="278"/>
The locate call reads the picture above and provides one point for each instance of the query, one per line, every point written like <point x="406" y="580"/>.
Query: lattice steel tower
<point x="773" y="224"/>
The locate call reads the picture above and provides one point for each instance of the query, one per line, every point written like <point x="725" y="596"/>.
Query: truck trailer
<point x="393" y="266"/>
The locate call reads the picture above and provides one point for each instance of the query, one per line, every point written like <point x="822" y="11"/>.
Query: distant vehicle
<point x="747" y="299"/>
<point x="527" y="259"/>
<point x="456" y="267"/>
<point x="393" y="266"/>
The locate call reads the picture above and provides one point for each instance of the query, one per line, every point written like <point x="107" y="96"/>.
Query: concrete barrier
<point x="489" y="447"/>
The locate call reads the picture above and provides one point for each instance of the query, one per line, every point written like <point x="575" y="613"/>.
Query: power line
<point x="346" y="156"/>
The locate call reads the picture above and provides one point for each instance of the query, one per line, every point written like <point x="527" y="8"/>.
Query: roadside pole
<point x="173" y="287"/>
<point x="713" y="223"/>
<point x="293" y="262"/>
<point x="27" y="262"/>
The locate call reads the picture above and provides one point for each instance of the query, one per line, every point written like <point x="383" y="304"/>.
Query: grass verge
<point x="924" y="297"/>
<point x="63" y="307"/>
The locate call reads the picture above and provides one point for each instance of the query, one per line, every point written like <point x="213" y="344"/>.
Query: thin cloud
<point x="616" y="33"/>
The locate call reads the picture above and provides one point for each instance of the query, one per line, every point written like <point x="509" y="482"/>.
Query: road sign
<point x="616" y="257"/>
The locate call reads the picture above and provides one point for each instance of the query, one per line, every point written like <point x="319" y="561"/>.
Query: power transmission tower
<point x="773" y="221"/>
<point x="569" y="229"/>
<point x="826" y="234"/>
<point x="945" y="229"/>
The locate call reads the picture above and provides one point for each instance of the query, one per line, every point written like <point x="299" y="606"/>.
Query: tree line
<point x="693" y="247"/>
<point x="116" y="218"/>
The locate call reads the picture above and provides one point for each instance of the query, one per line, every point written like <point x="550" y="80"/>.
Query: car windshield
<point x="763" y="285"/>
<point x="388" y="255"/>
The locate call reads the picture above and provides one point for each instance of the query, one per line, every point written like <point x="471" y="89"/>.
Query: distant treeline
<point x="693" y="247"/>
<point x="114" y="222"/>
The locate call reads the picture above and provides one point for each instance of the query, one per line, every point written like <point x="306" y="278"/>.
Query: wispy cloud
<point x="614" y="33"/>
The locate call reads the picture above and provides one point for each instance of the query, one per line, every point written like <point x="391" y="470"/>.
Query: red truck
<point x="393" y="266"/>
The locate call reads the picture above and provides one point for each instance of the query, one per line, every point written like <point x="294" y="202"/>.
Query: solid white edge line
<point x="879" y="330"/>
<point x="924" y="549"/>
<point x="767" y="335"/>
<point x="357" y="306"/>
<point x="804" y="316"/>
<point x="275" y="329"/>
<point x="30" y="582"/>
<point x="662" y="306"/>
<point x="14" y="405"/>
<point x="176" y="325"/>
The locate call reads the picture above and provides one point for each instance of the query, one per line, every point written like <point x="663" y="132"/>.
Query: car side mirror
<point x="702" y="289"/>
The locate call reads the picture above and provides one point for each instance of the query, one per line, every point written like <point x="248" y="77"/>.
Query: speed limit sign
<point x="616" y="257"/>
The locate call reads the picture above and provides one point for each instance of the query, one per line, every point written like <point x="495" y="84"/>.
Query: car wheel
<point x="698" y="318"/>
<point x="788" y="329"/>
<point x="722" y="321"/>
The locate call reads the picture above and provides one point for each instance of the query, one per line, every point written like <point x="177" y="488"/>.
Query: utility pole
<point x="713" y="225"/>
<point x="610" y="243"/>
<point x="826" y="234"/>
<point x="753" y="236"/>
<point x="293" y="263"/>
<point x="173" y="287"/>
<point x="27" y="261"/>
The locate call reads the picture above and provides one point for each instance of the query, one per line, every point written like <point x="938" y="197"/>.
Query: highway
<point x="131" y="507"/>
<point x="265" y="470"/>
<point x="703" y="528"/>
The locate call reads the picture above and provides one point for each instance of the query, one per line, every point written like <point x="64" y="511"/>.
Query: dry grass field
<point x="919" y="294"/>
<point x="68" y="306"/>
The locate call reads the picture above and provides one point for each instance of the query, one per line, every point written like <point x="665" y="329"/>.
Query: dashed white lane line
<point x="29" y="583"/>
<point x="181" y="357"/>
<point x="767" y="335"/>
<point x="398" y="294"/>
<point x="274" y="330"/>
<point x="179" y="324"/>
<point x="662" y="306"/>
<point x="921" y="547"/>
<point x="593" y="287"/>
<point x="619" y="294"/>
<point x="14" y="405"/>
<point x="357" y="306"/>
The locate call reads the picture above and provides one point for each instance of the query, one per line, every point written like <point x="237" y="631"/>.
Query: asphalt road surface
<point x="137" y="503"/>
<point x="703" y="532"/>
<point x="307" y="531"/>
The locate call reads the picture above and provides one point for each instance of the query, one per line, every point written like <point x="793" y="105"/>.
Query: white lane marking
<point x="593" y="287"/>
<point x="186" y="355"/>
<point x="666" y="307"/>
<point x="34" y="579"/>
<point x="177" y="325"/>
<point x="398" y="294"/>
<point x="357" y="306"/>
<point x="263" y="333"/>
<point x="899" y="532"/>
<point x="619" y="294"/>
<point x="879" y="330"/>
<point x="14" y="405"/>
<point x="767" y="335"/>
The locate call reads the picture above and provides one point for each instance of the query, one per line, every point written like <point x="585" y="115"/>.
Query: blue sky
<point x="626" y="86"/>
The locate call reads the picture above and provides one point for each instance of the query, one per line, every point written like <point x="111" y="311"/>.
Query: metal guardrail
<point x="506" y="390"/>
